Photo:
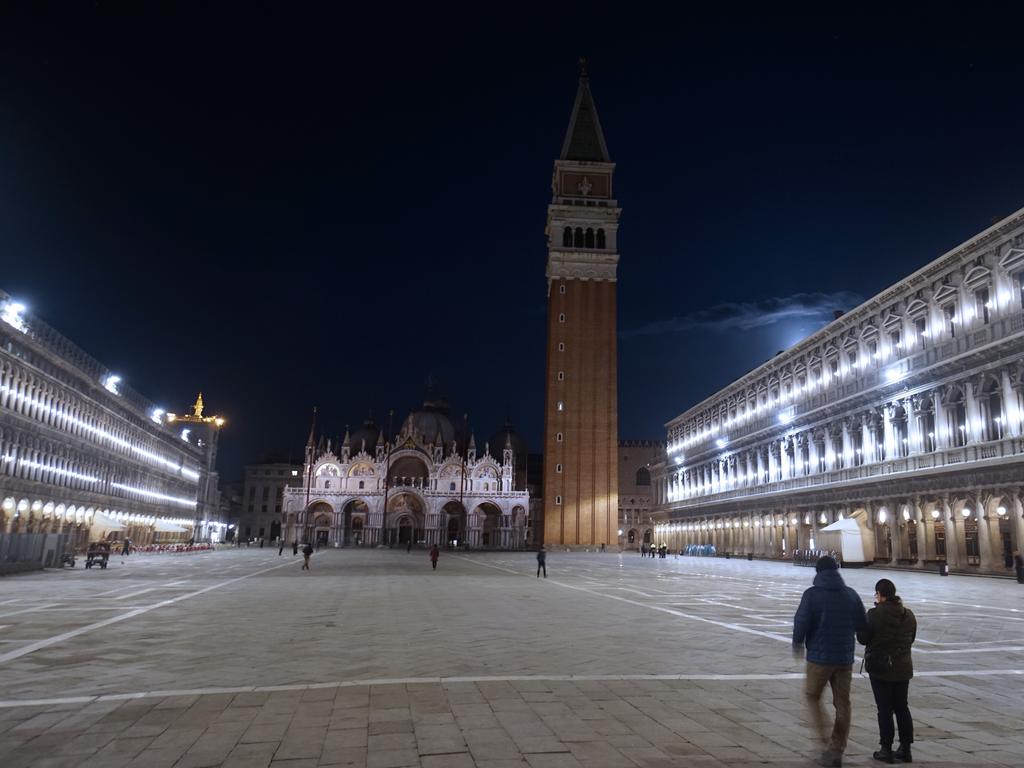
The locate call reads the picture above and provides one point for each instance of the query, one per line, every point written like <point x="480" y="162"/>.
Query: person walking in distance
<point x="307" y="552"/>
<point x="1018" y="566"/>
<point x="829" y="616"/>
<point x="295" y="547"/>
<point x="890" y="631"/>
<point x="434" y="554"/>
<point x="542" y="559"/>
<point x="280" y="549"/>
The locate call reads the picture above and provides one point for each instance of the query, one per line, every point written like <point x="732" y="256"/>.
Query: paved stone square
<point x="239" y="658"/>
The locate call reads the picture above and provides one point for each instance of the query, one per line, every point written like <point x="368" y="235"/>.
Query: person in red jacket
<point x="434" y="554"/>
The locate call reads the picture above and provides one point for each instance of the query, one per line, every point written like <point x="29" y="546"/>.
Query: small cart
<point x="97" y="554"/>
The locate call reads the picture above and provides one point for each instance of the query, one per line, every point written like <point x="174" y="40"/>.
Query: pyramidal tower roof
<point x="584" y="141"/>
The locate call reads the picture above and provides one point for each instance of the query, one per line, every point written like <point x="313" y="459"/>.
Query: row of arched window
<point x="23" y="393"/>
<point x="27" y="457"/>
<point x="584" y="238"/>
<point x="981" y="297"/>
<point x="952" y="416"/>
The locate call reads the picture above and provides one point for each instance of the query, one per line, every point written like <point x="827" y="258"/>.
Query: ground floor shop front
<point x="976" y="530"/>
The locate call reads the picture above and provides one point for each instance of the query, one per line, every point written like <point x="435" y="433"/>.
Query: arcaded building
<point x="904" y="414"/>
<point x="85" y="455"/>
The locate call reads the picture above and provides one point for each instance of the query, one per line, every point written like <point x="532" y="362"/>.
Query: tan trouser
<point x="838" y="677"/>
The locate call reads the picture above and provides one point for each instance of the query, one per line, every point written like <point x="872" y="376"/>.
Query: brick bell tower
<point x="581" y="432"/>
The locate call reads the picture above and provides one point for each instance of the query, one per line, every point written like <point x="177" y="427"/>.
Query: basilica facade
<point x="905" y="415"/>
<point x="427" y="485"/>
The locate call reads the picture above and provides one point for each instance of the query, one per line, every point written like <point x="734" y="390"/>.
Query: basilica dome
<point x="369" y="432"/>
<point x="430" y="420"/>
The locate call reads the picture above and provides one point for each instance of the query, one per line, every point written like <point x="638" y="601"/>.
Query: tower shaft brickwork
<point x="581" y="400"/>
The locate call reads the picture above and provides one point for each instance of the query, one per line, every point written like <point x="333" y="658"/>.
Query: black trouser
<point x="540" y="567"/>
<point x="1020" y="575"/>
<point x="891" y="699"/>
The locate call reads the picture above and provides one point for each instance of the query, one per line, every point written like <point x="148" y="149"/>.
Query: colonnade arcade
<point x="412" y="517"/>
<point x="976" y="530"/>
<point x="82" y="523"/>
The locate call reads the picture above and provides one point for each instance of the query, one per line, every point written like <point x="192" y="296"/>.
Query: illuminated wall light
<point x="157" y="415"/>
<point x="155" y="495"/>
<point x="11" y="313"/>
<point x="965" y="512"/>
<point x="90" y="429"/>
<point x="882" y="516"/>
<point x="110" y="383"/>
<point x="54" y="470"/>
<point x="1001" y="511"/>
<point x="185" y="433"/>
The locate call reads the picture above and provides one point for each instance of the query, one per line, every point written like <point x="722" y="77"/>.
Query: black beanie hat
<point x="826" y="563"/>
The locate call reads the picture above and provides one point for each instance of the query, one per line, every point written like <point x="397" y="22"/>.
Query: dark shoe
<point x="884" y="755"/>
<point x="831" y="759"/>
<point x="903" y="755"/>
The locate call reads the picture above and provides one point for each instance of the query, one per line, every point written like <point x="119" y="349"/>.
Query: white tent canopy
<point x="846" y="524"/>
<point x="101" y="521"/>
<point x="165" y="527"/>
<point x="849" y="539"/>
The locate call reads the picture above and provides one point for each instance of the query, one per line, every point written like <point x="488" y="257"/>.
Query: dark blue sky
<point x="293" y="209"/>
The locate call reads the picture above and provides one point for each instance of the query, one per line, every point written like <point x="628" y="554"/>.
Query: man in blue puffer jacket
<point x="826" y="622"/>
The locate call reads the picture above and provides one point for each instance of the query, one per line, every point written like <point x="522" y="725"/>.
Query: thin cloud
<point x="744" y="316"/>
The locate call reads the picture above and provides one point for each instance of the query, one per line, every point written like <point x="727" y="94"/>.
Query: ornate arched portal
<point x="405" y="519"/>
<point x="354" y="517"/>
<point x="455" y="523"/>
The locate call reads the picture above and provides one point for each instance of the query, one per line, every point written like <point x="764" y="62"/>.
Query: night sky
<point x="294" y="209"/>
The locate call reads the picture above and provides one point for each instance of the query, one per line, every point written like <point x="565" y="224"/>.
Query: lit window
<point x="949" y="312"/>
<point x="561" y="405"/>
<point x="982" y="305"/>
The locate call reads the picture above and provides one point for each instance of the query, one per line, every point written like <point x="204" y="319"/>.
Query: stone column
<point x="867" y="442"/>
<point x="1012" y="426"/>
<point x="985" y="540"/>
<point x="848" y="454"/>
<point x="942" y="435"/>
<point x="953" y="536"/>
<point x="890" y="436"/>
<point x="925" y="536"/>
<point x="760" y="466"/>
<point x="975" y="427"/>
<point x="915" y="435"/>
<point x="1015" y="511"/>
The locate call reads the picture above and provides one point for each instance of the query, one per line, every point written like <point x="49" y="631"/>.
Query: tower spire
<point x="584" y="139"/>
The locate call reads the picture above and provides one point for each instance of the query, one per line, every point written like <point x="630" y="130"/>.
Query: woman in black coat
<point x="890" y="631"/>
